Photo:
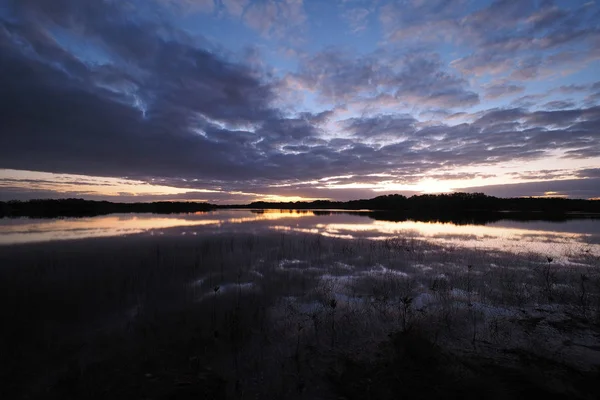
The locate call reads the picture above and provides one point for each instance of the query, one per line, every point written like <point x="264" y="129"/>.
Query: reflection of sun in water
<point x="473" y="236"/>
<point x="344" y="225"/>
<point x="122" y="224"/>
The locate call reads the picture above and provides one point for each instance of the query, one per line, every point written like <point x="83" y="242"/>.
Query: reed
<point x="273" y="315"/>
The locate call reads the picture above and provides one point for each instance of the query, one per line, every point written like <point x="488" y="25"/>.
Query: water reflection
<point x="547" y="237"/>
<point x="26" y="230"/>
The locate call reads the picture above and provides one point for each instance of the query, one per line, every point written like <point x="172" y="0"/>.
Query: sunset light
<point x="290" y="100"/>
<point x="299" y="199"/>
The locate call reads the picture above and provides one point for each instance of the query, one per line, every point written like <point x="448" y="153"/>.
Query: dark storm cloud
<point x="168" y="111"/>
<point x="149" y="113"/>
<point x="64" y="128"/>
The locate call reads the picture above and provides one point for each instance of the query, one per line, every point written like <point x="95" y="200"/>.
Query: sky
<point x="233" y="101"/>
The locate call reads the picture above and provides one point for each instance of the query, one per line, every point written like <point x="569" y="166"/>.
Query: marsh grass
<point x="288" y="316"/>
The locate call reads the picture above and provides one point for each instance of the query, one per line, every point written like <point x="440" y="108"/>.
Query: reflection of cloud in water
<point x="461" y="237"/>
<point x="588" y="226"/>
<point x="35" y="230"/>
<point x="284" y="263"/>
<point x="338" y="279"/>
<point x="25" y="230"/>
<point x="380" y="270"/>
<point x="475" y="236"/>
<point x="548" y="237"/>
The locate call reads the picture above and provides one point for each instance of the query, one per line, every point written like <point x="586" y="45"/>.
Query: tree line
<point x="49" y="208"/>
<point x="453" y="205"/>
<point x="446" y="203"/>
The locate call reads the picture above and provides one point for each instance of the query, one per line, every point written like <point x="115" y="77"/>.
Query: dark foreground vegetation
<point x="455" y="206"/>
<point x="290" y="316"/>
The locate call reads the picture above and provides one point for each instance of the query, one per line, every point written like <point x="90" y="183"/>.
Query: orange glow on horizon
<point x="131" y="190"/>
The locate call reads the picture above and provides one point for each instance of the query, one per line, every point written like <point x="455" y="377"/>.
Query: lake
<point x="545" y="237"/>
<point x="234" y="296"/>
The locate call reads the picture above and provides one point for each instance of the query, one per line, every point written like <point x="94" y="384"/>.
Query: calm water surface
<point x="539" y="236"/>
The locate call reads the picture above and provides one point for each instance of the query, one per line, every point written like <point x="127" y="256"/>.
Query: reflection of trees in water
<point x="282" y="211"/>
<point x="476" y="218"/>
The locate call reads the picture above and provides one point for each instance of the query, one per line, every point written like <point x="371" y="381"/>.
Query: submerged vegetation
<point x="296" y="316"/>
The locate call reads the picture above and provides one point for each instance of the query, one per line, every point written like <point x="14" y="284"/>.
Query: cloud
<point x="71" y="115"/>
<point x="421" y="20"/>
<point x="559" y="105"/>
<point x="528" y="100"/>
<point x="177" y="110"/>
<point x="190" y="6"/>
<point x="576" y="188"/>
<point x="415" y="78"/>
<point x="589" y="173"/>
<point x="502" y="89"/>
<point x="593" y="97"/>
<point x="381" y="126"/>
<point x="570" y="89"/>
<point x="523" y="39"/>
<point x="357" y="17"/>
<point x="144" y="99"/>
<point x="545" y="174"/>
<point x="277" y="18"/>
<point x="235" y="7"/>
